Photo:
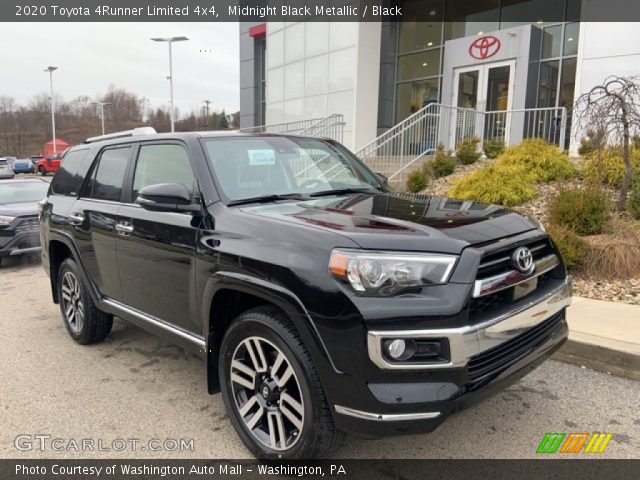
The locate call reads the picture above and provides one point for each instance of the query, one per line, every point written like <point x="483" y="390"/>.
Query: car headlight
<point x="388" y="273"/>
<point x="6" y="220"/>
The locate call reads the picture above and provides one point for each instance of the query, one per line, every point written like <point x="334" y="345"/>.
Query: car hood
<point x="19" y="209"/>
<point x="401" y="221"/>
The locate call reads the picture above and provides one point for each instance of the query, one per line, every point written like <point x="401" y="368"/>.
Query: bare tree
<point x="613" y="108"/>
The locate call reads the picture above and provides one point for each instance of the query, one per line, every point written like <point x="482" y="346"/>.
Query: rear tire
<point x="85" y="323"/>
<point x="42" y="171"/>
<point x="271" y="389"/>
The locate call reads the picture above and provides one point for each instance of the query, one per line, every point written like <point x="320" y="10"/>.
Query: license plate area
<point x="525" y="288"/>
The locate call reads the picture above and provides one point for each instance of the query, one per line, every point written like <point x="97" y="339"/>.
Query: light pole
<point x="51" y="69"/>
<point x="206" y="118"/>
<point x="170" y="40"/>
<point x="102" y="104"/>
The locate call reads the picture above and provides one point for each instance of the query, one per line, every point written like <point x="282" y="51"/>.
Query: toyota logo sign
<point x="522" y="259"/>
<point x="484" y="47"/>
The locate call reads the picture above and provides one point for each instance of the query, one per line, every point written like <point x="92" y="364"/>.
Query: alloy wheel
<point x="72" y="303"/>
<point x="267" y="393"/>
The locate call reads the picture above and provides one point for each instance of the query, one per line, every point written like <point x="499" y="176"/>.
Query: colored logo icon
<point x="484" y="47"/>
<point x="583" y="442"/>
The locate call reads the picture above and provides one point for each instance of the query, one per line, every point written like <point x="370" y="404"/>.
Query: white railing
<point x="330" y="127"/>
<point x="406" y="145"/>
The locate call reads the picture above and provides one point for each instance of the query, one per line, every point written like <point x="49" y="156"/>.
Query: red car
<point x="49" y="164"/>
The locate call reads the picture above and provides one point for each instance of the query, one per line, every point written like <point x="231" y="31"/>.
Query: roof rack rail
<point x="123" y="134"/>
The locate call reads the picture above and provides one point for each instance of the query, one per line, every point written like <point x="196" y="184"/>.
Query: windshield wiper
<point x="342" y="191"/>
<point x="268" y="198"/>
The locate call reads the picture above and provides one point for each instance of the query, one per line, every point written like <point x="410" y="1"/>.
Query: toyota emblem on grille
<point x="522" y="259"/>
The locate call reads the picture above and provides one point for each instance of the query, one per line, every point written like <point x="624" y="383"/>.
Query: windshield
<point x="251" y="167"/>
<point x="23" y="192"/>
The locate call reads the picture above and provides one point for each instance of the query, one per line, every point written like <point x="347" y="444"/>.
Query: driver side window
<point x="168" y="163"/>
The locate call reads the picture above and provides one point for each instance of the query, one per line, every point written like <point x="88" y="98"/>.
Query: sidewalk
<point x="604" y="336"/>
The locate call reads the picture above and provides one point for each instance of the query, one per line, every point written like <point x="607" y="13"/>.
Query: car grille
<point x="500" y="262"/>
<point x="498" y="358"/>
<point x="30" y="224"/>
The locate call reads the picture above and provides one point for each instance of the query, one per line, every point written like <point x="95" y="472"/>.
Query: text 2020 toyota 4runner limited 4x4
<point x="322" y="302"/>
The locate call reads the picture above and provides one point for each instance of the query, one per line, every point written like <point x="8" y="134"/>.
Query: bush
<point x="443" y="164"/>
<point x="493" y="147"/>
<point x="544" y="160"/>
<point x="607" y="165"/>
<point x="504" y="185"/>
<point x="584" y="211"/>
<point x="467" y="151"/>
<point x="571" y="246"/>
<point x="592" y="142"/>
<point x="613" y="256"/>
<point x="633" y="204"/>
<point x="417" y="180"/>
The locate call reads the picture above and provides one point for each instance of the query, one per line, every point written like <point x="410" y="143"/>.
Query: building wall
<point x="249" y="82"/>
<point x="316" y="69"/>
<point x="605" y="49"/>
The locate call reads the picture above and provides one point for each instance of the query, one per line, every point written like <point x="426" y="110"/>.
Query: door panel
<point x="157" y="249"/>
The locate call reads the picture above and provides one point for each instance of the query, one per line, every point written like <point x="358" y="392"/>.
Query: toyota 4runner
<point x="321" y="302"/>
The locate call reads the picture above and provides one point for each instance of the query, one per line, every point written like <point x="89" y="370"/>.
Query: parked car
<point x="321" y="301"/>
<point x="19" y="215"/>
<point x="6" y="169"/>
<point x="49" y="164"/>
<point x="23" y="165"/>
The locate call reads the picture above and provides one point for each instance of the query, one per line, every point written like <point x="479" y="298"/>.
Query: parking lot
<point x="136" y="386"/>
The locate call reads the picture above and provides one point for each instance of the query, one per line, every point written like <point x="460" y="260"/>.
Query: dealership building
<point x="466" y="56"/>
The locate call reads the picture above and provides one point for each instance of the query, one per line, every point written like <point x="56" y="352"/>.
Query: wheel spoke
<point x="246" y="409"/>
<point x="246" y="371"/>
<point x="277" y="434"/>
<point x="66" y="292"/>
<point x="68" y="310"/>
<point x="254" y="348"/>
<point x="281" y="381"/>
<point x="292" y="409"/>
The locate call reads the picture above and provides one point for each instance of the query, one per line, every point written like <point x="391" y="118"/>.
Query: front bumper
<point x="485" y="358"/>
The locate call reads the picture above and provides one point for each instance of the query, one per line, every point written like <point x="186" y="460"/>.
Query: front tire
<point x="272" y="391"/>
<point x="42" y="171"/>
<point x="85" y="323"/>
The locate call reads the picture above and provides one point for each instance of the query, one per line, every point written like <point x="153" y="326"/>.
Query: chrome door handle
<point x="124" y="228"/>
<point x="76" y="218"/>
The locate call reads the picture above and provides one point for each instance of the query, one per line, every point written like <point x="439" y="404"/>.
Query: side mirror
<point x="383" y="178"/>
<point x="166" y="197"/>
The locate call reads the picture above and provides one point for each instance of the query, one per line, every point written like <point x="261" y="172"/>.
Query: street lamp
<point x="51" y="69"/>
<point x="102" y="104"/>
<point x="170" y="40"/>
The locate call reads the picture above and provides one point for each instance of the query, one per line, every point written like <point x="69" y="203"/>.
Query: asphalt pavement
<point x="136" y="386"/>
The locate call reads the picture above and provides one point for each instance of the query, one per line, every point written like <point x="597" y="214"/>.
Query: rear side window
<point x="109" y="174"/>
<point x="73" y="169"/>
<point x="162" y="164"/>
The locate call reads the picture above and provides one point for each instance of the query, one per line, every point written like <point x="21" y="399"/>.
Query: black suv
<point x="321" y="302"/>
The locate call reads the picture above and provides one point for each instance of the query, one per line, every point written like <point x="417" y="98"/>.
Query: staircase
<point x="328" y="127"/>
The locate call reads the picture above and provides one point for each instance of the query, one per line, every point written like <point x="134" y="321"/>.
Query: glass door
<point x="484" y="88"/>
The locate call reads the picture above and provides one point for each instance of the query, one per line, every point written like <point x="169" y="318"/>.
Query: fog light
<point x="396" y="348"/>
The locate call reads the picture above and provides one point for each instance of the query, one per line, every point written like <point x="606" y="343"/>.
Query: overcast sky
<point x="91" y="56"/>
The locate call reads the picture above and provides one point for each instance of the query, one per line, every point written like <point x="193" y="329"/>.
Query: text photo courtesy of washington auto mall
<point x="353" y="239"/>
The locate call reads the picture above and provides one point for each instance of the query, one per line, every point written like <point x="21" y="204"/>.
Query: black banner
<point x="293" y="11"/>
<point x="578" y="469"/>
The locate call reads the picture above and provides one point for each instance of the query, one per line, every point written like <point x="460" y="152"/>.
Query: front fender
<point x="284" y="299"/>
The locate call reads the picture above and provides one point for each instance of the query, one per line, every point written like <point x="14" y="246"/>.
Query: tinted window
<point x="71" y="174"/>
<point x="109" y="174"/>
<point x="162" y="164"/>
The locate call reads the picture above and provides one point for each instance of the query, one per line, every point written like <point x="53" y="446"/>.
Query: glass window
<point x="70" y="176"/>
<point x="520" y="12"/>
<point x="548" y="87"/>
<point x="419" y="65"/>
<point x="258" y="166"/>
<point x="468" y="89"/>
<point x="571" y="33"/>
<point x="568" y="82"/>
<point x="412" y="96"/>
<point x="109" y="175"/>
<point x="498" y="88"/>
<point x="466" y="18"/>
<point x="421" y="25"/>
<point x="162" y="164"/>
<point x="23" y="192"/>
<point x="551" y="41"/>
